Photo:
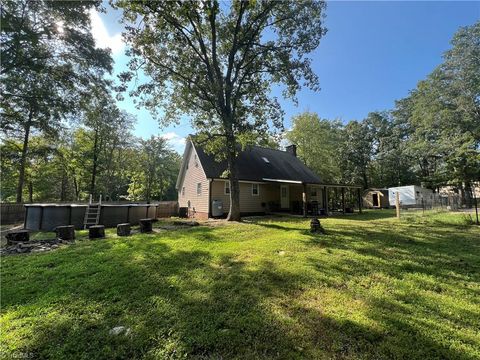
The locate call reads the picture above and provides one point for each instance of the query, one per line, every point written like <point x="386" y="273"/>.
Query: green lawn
<point x="372" y="288"/>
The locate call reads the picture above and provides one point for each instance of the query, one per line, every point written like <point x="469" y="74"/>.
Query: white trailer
<point x="411" y="196"/>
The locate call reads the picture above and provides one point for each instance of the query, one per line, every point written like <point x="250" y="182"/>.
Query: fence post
<point x="397" y="204"/>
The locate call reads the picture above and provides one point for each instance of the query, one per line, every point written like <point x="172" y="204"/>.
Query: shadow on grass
<point x="368" y="215"/>
<point x="199" y="304"/>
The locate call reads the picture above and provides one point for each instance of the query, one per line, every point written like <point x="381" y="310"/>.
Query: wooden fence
<point x="11" y="213"/>
<point x="167" y="209"/>
<point x="15" y="213"/>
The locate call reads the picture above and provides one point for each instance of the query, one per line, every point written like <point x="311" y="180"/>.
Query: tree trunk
<point x="94" y="166"/>
<point x="23" y="159"/>
<point x="234" y="213"/>
<point x="468" y="194"/>
<point x="30" y="191"/>
<point x="75" y="186"/>
<point x="365" y="179"/>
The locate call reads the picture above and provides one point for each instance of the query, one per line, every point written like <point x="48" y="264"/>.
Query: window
<point x="199" y="189"/>
<point x="183" y="191"/>
<point x="227" y="187"/>
<point x="313" y="192"/>
<point x="196" y="161"/>
<point x="254" y="189"/>
<point x="266" y="160"/>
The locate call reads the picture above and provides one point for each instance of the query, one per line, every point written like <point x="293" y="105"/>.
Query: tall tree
<point x="356" y="153"/>
<point x="156" y="170"/>
<point x="108" y="131"/>
<point x="442" y="116"/>
<point x="217" y="61"/>
<point x="389" y="164"/>
<point x="317" y="140"/>
<point x="48" y="59"/>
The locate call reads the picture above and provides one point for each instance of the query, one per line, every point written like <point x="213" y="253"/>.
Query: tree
<point x="389" y="164"/>
<point x="457" y="81"/>
<point x="355" y="153"/>
<point x="317" y="140"/>
<point x="10" y="151"/>
<point x="216" y="62"/>
<point x="108" y="129"/>
<point x="156" y="170"/>
<point x="48" y="59"/>
<point x="442" y="116"/>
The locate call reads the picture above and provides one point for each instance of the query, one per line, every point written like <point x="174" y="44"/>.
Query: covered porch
<point x="303" y="199"/>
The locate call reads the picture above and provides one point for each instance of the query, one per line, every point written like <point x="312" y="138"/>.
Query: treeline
<point x="63" y="135"/>
<point x="431" y="137"/>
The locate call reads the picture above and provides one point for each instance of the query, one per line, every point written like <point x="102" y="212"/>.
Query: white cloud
<point x="175" y="140"/>
<point x="102" y="37"/>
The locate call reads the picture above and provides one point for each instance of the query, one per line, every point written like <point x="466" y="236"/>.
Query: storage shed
<point x="375" y="198"/>
<point x="411" y="196"/>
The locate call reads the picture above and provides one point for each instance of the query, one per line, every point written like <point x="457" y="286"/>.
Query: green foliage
<point x="49" y="59"/>
<point x="443" y="113"/>
<point x="155" y="171"/>
<point x="216" y="62"/>
<point x="126" y="166"/>
<point x="355" y="153"/>
<point x="373" y="288"/>
<point x="317" y="141"/>
<point x="431" y="137"/>
<point x="10" y="156"/>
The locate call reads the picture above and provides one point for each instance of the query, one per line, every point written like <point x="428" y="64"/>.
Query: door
<point x="284" y="197"/>
<point x="375" y="199"/>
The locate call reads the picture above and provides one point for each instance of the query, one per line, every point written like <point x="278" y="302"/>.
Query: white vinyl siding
<point x="193" y="176"/>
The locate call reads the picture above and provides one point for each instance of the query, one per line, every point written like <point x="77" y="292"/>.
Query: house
<point x="375" y="198"/>
<point x="270" y="181"/>
<point x="411" y="196"/>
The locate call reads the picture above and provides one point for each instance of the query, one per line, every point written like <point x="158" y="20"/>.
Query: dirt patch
<point x="33" y="246"/>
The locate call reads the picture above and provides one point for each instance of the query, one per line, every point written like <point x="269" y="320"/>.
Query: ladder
<point x="92" y="214"/>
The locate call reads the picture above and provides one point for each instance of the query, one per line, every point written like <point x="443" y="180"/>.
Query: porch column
<point x="343" y="200"/>
<point x="304" y="199"/>
<point x="359" y="201"/>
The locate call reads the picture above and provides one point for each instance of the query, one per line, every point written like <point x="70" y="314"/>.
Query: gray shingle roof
<point x="252" y="167"/>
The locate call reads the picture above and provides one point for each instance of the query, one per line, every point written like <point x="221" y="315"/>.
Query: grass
<point x="372" y="288"/>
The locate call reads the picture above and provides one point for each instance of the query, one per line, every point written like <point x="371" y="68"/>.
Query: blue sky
<point x="373" y="53"/>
